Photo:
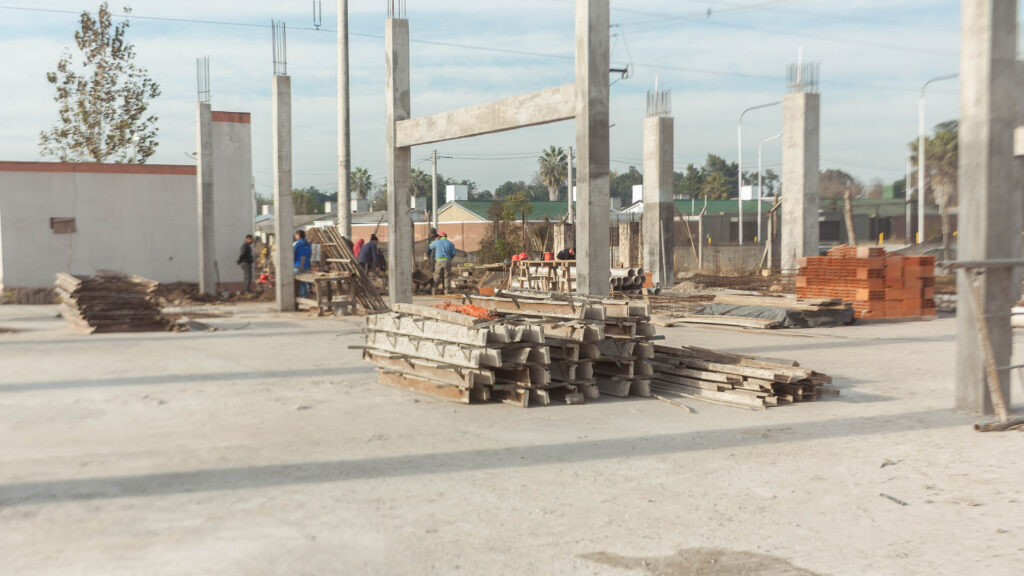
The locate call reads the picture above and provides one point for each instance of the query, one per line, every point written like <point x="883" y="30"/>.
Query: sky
<point x="716" y="57"/>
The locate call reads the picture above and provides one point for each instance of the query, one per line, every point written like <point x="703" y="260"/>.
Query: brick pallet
<point x="878" y="285"/>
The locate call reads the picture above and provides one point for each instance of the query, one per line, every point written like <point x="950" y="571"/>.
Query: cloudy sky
<point x="717" y="58"/>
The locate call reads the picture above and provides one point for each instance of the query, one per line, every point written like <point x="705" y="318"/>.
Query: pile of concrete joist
<point x="734" y="380"/>
<point x="535" y="350"/>
<point x="110" y="303"/>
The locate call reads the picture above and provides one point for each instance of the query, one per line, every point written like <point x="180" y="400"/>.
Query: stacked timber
<point x="110" y="303"/>
<point x="465" y="358"/>
<point x="734" y="380"/>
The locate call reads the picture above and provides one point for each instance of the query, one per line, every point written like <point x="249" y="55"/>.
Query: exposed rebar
<point x="803" y="77"/>
<point x="203" y="79"/>
<point x="280" y="40"/>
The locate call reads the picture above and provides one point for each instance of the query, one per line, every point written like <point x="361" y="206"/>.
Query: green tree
<point x="689" y="183"/>
<point x="103" y="102"/>
<point x="309" y="200"/>
<point x="553" y="166"/>
<point x="942" y="157"/>
<point x="420" y="183"/>
<point x="361" y="182"/>
<point x="622" y="184"/>
<point x="716" y="186"/>
<point x="505" y="236"/>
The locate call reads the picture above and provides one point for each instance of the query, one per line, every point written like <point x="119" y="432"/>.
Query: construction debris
<point x="110" y="303"/>
<point x="560" y="276"/>
<point x="878" y="285"/>
<point x="734" y="380"/>
<point x="528" y="347"/>
<point x="751" y="311"/>
<point x="338" y="256"/>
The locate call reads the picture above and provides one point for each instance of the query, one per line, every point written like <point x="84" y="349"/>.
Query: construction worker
<point x="444" y="252"/>
<point x="245" y="260"/>
<point x="567" y="254"/>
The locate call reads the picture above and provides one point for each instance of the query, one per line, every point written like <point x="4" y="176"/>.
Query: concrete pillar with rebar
<point x="204" y="181"/>
<point x="284" y="256"/>
<point x="800" y="176"/>
<point x="659" y="210"/>
<point x="344" y="126"/>
<point x="991" y="204"/>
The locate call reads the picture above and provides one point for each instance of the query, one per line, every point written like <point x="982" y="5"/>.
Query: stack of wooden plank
<point x="337" y="255"/>
<point x="110" y="303"/>
<point x="876" y="284"/>
<point x="733" y="380"/>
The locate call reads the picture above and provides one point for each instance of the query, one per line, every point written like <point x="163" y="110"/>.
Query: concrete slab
<point x="201" y="453"/>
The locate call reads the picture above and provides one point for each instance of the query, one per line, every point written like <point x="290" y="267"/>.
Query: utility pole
<point x="921" y="132"/>
<point x="739" y="161"/>
<point x="433" y="184"/>
<point x="344" y="125"/>
<point x="569" y="215"/>
<point x="760" y="150"/>
<point x="909" y="203"/>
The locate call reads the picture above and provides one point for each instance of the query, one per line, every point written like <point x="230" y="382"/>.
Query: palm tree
<point x="553" y="167"/>
<point x="361" y="182"/>
<point x="421" y="184"/>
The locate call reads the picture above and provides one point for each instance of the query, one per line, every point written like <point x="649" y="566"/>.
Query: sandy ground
<point x="269" y="448"/>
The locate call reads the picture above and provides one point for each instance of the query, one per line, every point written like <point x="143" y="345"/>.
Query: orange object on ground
<point x="466" y="309"/>
<point x="549" y="256"/>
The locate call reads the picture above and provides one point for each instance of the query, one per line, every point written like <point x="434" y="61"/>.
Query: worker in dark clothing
<point x="369" y="256"/>
<point x="567" y="254"/>
<point x="245" y="260"/>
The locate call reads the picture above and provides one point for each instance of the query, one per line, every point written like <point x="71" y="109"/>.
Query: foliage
<point x="716" y="186"/>
<point x="103" y="107"/>
<point x="360" y="182"/>
<point x="553" y="168"/>
<point x="505" y="236"/>
<point x="622" y="184"/>
<point x="420" y="183"/>
<point x="942" y="163"/>
<point x="834" y="183"/>
<point x="310" y="200"/>
<point x="533" y="192"/>
<point x="715" y="180"/>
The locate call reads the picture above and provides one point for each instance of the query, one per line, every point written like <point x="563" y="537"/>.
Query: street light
<point x="920" y="155"/>
<point x="760" y="148"/>
<point x="739" y="163"/>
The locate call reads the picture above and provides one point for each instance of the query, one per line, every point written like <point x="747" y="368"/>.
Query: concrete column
<point x="284" y="257"/>
<point x="344" y="126"/>
<point x="659" y="211"/>
<point x="399" y="162"/>
<point x="991" y="203"/>
<point x="592" y="180"/>
<point x="204" y="189"/>
<point x="800" y="137"/>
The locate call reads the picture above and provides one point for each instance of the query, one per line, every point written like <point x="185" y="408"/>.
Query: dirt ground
<point x="269" y="448"/>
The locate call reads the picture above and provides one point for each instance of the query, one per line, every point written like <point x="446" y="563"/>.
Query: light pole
<point x="920" y="154"/>
<point x="760" y="149"/>
<point x="907" y="194"/>
<point x="739" y="162"/>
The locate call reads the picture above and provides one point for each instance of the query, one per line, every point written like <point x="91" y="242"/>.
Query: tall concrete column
<point x="399" y="162"/>
<point x="283" y="208"/>
<point x="344" y="126"/>
<point x="800" y="138"/>
<point x="204" y="196"/>
<point x="592" y="180"/>
<point x="991" y="203"/>
<point x="659" y="210"/>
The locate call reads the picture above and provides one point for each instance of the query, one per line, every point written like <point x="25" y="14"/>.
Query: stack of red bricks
<point x="878" y="285"/>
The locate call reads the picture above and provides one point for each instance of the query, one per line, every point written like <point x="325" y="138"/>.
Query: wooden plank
<point x="737" y="321"/>
<point x="725" y="398"/>
<point x="435" y="389"/>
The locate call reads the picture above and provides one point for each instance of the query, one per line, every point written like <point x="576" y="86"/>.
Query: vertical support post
<point x="991" y="205"/>
<point x="569" y="218"/>
<point x="399" y="162"/>
<point x="801" y="115"/>
<point x="659" y="211"/>
<point x="906" y="200"/>
<point x="284" y="256"/>
<point x="921" y="158"/>
<point x="592" y="131"/>
<point x="344" y="127"/>
<point x="433" y="191"/>
<point x="204" y="185"/>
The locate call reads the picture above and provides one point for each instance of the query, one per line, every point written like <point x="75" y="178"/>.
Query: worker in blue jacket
<point x="444" y="252"/>
<point x="303" y="252"/>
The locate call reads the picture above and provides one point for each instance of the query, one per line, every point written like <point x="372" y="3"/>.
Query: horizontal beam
<point x="533" y="109"/>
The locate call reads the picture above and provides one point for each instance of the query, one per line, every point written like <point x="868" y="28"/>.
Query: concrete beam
<point x="593" y="185"/>
<point x="533" y="109"/>
<point x="284" y="256"/>
<point x="991" y="205"/>
<point x="659" y="210"/>
<point x="205" y="203"/>
<point x="800" y="177"/>
<point x="399" y="161"/>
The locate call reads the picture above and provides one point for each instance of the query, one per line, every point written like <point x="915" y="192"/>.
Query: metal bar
<point x="994" y="263"/>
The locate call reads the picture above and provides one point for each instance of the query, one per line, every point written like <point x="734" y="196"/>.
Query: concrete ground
<point x="269" y="448"/>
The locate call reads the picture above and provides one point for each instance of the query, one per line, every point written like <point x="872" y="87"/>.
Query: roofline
<point x="98" y="168"/>
<point x="232" y="117"/>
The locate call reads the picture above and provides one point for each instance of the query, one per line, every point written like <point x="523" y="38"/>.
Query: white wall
<point x="141" y="224"/>
<point x="232" y="190"/>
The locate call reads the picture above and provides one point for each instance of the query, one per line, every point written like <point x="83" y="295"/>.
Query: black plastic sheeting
<point x="783" y="318"/>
